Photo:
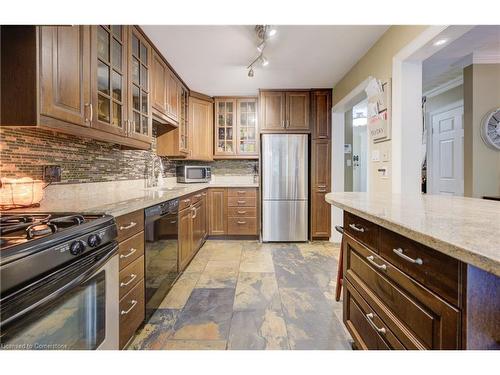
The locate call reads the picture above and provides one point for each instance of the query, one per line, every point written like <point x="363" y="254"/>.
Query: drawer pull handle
<point x="242" y="222"/>
<point x="241" y="192"/>
<point x="125" y="312"/>
<point x="204" y="194"/>
<point x="370" y="320"/>
<point x="356" y="228"/>
<point x="131" y="225"/>
<point x="131" y="251"/>
<point x="371" y="259"/>
<point x="399" y="252"/>
<point x="195" y="213"/>
<point x="197" y="196"/>
<point x="242" y="212"/>
<point x="241" y="202"/>
<point x="173" y="222"/>
<point x="133" y="276"/>
<point x="186" y="200"/>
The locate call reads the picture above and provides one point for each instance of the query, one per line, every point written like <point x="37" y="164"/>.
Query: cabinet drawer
<point x="130" y="224"/>
<point x="362" y="230"/>
<point x="131" y="249"/>
<point x="366" y="328"/>
<point x="435" y="270"/>
<point x="241" y="226"/>
<point x="242" y="212"/>
<point x="131" y="275"/>
<point x="242" y="193"/>
<point x="131" y="312"/>
<point x="241" y="202"/>
<point x="196" y="197"/>
<point x="418" y="317"/>
<point x="184" y="202"/>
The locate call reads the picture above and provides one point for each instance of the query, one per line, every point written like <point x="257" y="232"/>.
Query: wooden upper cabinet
<point x="284" y="110"/>
<point x="297" y="110"/>
<point x="65" y="74"/>
<point x="159" y="86"/>
<point x="272" y="110"/>
<point x="173" y="94"/>
<point x="109" y="56"/>
<point x="236" y="130"/>
<point x="140" y="59"/>
<point x="200" y="129"/>
<point x="321" y="150"/>
<point x="321" y="114"/>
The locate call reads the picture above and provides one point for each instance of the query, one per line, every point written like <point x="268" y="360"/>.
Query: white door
<point x="447" y="159"/>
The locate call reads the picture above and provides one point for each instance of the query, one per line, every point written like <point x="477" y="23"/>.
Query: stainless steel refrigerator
<point x="285" y="187"/>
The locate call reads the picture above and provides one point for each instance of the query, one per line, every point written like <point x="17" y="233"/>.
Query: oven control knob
<point x="77" y="247"/>
<point x="93" y="240"/>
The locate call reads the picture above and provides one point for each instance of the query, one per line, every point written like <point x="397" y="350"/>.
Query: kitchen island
<point x="420" y="272"/>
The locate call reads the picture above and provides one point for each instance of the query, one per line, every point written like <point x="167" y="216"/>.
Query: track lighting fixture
<point x="263" y="33"/>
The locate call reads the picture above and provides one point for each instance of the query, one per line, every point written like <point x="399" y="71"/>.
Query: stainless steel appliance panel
<point x="285" y="166"/>
<point x="285" y="220"/>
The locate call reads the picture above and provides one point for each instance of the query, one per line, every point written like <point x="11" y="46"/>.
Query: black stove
<point x="32" y="244"/>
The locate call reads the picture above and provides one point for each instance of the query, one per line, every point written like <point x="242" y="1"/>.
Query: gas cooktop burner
<point x="20" y="228"/>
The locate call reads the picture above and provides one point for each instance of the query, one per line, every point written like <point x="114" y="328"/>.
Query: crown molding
<point x="455" y="82"/>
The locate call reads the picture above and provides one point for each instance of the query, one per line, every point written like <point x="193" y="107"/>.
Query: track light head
<point x="250" y="72"/>
<point x="264" y="61"/>
<point x="261" y="47"/>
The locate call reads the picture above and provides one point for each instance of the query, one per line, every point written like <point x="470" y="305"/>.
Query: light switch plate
<point x="375" y="155"/>
<point x="386" y="156"/>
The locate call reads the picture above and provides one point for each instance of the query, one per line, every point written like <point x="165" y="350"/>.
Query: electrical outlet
<point x="52" y="173"/>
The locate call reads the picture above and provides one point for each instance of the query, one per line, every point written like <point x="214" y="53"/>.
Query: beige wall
<point x="377" y="62"/>
<point x="481" y="163"/>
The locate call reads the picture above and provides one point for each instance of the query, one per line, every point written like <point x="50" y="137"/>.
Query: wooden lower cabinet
<point x="385" y="306"/>
<point x="217" y="212"/>
<point x="131" y="278"/>
<point x="185" y="237"/>
<point x="132" y="311"/>
<point x="233" y="212"/>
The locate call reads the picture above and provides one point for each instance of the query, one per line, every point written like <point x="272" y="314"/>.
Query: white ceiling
<point x="449" y="62"/>
<point x="213" y="59"/>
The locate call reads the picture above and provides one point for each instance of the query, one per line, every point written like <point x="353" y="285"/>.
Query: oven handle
<point x="80" y="279"/>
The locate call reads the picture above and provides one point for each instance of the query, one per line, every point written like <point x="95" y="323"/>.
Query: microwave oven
<point x="193" y="173"/>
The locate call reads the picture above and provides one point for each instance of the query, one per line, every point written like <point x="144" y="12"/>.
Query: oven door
<point x="75" y="307"/>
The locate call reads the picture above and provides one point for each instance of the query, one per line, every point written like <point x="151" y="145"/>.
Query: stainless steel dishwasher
<point x="161" y="252"/>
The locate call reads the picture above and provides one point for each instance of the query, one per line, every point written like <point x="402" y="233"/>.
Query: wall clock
<point x="490" y="129"/>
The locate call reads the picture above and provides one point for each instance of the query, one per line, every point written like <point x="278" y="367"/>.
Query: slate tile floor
<point x="249" y="295"/>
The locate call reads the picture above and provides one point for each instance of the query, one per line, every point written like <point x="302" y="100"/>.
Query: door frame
<point x="337" y="166"/>
<point x="429" y="146"/>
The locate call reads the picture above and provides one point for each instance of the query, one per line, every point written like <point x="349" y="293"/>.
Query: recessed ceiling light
<point x="440" y="42"/>
<point x="271" y="32"/>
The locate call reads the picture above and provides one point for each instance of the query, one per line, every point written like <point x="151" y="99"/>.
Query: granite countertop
<point x="125" y="201"/>
<point x="467" y="229"/>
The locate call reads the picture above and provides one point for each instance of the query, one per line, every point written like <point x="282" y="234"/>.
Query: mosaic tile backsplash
<point x="24" y="152"/>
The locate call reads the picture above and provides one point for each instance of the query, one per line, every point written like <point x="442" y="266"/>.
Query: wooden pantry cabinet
<point x="284" y="111"/>
<point x="74" y="79"/>
<point x="320" y="164"/>
<point x="236" y="130"/>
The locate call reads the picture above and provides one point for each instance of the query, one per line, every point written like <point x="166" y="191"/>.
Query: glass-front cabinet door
<point x="247" y="127"/>
<point x="140" y="120"/>
<point x="225" y="117"/>
<point x="109" y="78"/>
